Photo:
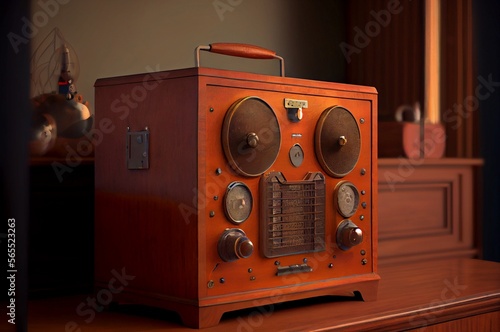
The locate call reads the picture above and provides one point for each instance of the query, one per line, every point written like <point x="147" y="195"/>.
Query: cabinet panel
<point x="427" y="209"/>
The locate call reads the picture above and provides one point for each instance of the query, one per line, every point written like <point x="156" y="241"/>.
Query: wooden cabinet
<point x="427" y="209"/>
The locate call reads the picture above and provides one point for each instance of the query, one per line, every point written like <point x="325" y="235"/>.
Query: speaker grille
<point x="293" y="215"/>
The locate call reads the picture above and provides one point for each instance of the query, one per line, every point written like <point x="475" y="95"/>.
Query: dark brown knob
<point x="348" y="235"/>
<point x="244" y="247"/>
<point x="234" y="244"/>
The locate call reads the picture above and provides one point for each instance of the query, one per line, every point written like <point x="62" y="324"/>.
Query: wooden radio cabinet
<point x="219" y="190"/>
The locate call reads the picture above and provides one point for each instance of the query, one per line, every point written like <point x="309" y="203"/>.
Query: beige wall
<point x="119" y="37"/>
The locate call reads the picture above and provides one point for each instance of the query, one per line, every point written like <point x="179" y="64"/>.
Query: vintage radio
<point x="219" y="190"/>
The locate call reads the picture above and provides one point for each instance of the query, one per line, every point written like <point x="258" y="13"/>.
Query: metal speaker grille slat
<point x="293" y="215"/>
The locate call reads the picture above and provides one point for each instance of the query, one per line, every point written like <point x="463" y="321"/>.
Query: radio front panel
<point x="297" y="181"/>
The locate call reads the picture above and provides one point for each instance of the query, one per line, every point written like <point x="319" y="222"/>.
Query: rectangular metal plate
<point x="138" y="149"/>
<point x="295" y="103"/>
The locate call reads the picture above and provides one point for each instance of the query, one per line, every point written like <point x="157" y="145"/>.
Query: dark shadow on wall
<point x="14" y="135"/>
<point x="487" y="43"/>
<point x="317" y="28"/>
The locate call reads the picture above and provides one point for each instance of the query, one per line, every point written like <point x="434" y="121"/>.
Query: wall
<point x="113" y="38"/>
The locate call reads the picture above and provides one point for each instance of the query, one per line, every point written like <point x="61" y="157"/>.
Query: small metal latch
<point x="138" y="149"/>
<point x="294" y="109"/>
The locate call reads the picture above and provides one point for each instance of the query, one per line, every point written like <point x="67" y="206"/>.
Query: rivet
<point x="363" y="192"/>
<point x="363" y="204"/>
<point x="363" y="171"/>
<point x="211" y="109"/>
<point x="361" y="217"/>
<point x="364" y="261"/>
<point x="218" y="171"/>
<point x="330" y="265"/>
<point x="252" y="278"/>
<point x="216" y="198"/>
<point x="277" y="263"/>
<point x="210" y="284"/>
<point x="362" y="120"/>
<point x="250" y="270"/>
<point x="222" y="280"/>
<point x="305" y="260"/>
<point x="212" y="214"/>
<point x="362" y="252"/>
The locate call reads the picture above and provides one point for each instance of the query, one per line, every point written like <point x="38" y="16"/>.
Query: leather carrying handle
<point x="240" y="50"/>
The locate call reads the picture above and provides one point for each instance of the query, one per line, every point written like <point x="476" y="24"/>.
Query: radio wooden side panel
<point x="145" y="220"/>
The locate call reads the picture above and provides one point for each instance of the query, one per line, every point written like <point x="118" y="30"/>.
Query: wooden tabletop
<point x="410" y="296"/>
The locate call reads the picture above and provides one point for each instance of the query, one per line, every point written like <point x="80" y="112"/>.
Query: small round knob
<point x="252" y="140"/>
<point x="348" y="235"/>
<point x="234" y="244"/>
<point x="244" y="247"/>
<point x="342" y="140"/>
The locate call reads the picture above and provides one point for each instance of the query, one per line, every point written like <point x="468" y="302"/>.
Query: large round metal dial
<point x="337" y="141"/>
<point x="347" y="197"/>
<point x="237" y="202"/>
<point x="251" y="136"/>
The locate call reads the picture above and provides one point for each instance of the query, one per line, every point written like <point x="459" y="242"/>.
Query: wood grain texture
<point x="455" y="294"/>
